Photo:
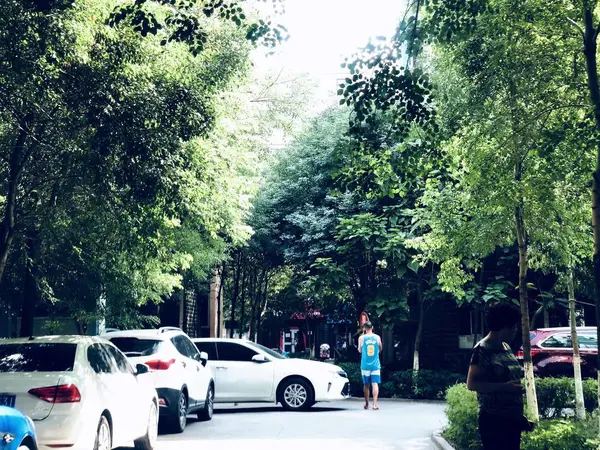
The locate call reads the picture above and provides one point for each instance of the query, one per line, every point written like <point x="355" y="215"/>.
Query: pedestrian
<point x="369" y="346"/>
<point x="495" y="374"/>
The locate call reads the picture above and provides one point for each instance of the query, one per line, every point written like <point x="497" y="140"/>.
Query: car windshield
<point x="132" y="346"/>
<point x="42" y="357"/>
<point x="268" y="351"/>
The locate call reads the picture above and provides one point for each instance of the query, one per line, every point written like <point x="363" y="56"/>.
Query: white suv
<point x="179" y="371"/>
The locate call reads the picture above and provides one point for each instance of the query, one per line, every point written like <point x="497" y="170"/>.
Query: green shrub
<point x="556" y="396"/>
<point x="590" y="394"/>
<point x="558" y="435"/>
<point x="462" y="412"/>
<point x="429" y="384"/>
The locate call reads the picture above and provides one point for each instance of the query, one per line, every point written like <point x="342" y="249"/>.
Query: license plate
<point x="7" y="400"/>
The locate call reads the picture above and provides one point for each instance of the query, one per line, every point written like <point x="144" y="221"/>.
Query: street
<point x="399" y="425"/>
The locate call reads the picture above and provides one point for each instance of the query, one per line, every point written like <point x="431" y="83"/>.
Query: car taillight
<point x="158" y="364"/>
<point x="66" y="393"/>
<point x="534" y="351"/>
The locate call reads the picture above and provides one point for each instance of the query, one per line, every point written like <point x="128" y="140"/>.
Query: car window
<point x="191" y="348"/>
<point x="587" y="340"/>
<point x="42" y="357"/>
<point x="268" y="351"/>
<point x="132" y="346"/>
<point x="230" y="351"/>
<point x="180" y="345"/>
<point x="101" y="361"/>
<point x="558" y="341"/>
<point x="123" y="365"/>
<point x="209" y="348"/>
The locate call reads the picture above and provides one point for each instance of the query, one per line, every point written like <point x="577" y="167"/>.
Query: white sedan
<point x="246" y="372"/>
<point x="81" y="393"/>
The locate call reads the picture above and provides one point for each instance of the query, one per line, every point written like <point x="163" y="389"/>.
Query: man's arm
<point x="360" y="339"/>
<point x="380" y="343"/>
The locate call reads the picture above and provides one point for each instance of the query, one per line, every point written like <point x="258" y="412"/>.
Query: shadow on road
<point x="265" y="409"/>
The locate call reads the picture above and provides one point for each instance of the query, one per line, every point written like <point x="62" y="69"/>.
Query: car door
<point x="239" y="379"/>
<point x="133" y="397"/>
<point x="191" y="370"/>
<point x="108" y="388"/>
<point x="203" y="375"/>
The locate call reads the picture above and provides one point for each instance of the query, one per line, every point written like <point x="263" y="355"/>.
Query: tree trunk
<point x="237" y="267"/>
<point x="532" y="406"/>
<point x="221" y="280"/>
<point x="30" y="288"/>
<point x="589" y="50"/>
<point x="242" y="326"/>
<point x="419" y="332"/>
<point x="579" y="401"/>
<point x="546" y="318"/>
<point x="18" y="158"/>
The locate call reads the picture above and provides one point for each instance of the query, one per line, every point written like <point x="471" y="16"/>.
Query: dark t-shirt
<point x="498" y="366"/>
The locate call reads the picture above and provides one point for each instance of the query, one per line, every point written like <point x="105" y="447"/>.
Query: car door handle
<point x="183" y="364"/>
<point x="197" y="368"/>
<point x="221" y="367"/>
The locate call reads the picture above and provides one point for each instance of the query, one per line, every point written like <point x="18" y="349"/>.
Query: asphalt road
<point x="398" y="425"/>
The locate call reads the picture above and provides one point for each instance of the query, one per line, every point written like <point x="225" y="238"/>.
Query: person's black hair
<point x="502" y="316"/>
<point x="368" y="325"/>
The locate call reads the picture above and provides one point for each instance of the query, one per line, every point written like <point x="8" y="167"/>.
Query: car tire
<point x="296" y="395"/>
<point x="103" y="435"/>
<point x="178" y="421"/>
<point x="148" y="442"/>
<point x="206" y="413"/>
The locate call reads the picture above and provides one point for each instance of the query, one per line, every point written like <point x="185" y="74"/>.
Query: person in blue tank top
<point x="369" y="346"/>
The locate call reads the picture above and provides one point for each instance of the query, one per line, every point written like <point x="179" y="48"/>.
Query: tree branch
<point x="576" y="25"/>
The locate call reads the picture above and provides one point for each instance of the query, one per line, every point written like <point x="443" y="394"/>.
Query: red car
<point x="552" y="351"/>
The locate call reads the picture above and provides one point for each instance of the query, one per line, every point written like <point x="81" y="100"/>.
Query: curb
<point x="440" y="442"/>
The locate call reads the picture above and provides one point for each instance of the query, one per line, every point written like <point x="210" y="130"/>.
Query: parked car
<point x="552" y="351"/>
<point x="248" y="372"/>
<point x="16" y="430"/>
<point x="179" y="372"/>
<point x="81" y="392"/>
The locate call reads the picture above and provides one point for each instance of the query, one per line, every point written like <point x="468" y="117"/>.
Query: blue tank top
<point x="370" y="353"/>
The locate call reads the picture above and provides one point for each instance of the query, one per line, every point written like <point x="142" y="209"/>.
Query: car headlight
<point x="339" y="373"/>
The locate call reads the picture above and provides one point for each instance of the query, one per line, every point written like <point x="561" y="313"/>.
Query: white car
<point x="248" y="372"/>
<point x="178" y="372"/>
<point x="81" y="392"/>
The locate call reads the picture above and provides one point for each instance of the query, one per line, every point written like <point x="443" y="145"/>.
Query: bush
<point x="556" y="396"/>
<point x="429" y="384"/>
<point x="462" y="412"/>
<point x="558" y="435"/>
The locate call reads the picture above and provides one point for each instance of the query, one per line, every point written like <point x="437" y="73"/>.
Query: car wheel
<point x="296" y="395"/>
<point x="103" y="435"/>
<point x="206" y="413"/>
<point x="148" y="442"/>
<point x="178" y="421"/>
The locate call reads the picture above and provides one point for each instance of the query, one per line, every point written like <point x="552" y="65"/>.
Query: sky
<point x="323" y="32"/>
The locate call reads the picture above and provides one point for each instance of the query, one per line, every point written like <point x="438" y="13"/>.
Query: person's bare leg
<point x="366" y="392"/>
<point x="375" y="395"/>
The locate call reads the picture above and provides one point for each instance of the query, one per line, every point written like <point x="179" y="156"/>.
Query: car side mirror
<point x="203" y="358"/>
<point x="259" y="359"/>
<point x="141" y="369"/>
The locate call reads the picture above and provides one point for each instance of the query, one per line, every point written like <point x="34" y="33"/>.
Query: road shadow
<point x="265" y="409"/>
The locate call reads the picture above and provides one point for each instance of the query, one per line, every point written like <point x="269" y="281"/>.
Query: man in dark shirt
<point x="495" y="374"/>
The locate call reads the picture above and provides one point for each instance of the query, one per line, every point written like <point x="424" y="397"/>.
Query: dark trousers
<point x="499" y="433"/>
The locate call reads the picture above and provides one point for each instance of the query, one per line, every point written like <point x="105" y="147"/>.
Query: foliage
<point x="556" y="396"/>
<point x="462" y="413"/>
<point x="427" y="384"/>
<point x="558" y="435"/>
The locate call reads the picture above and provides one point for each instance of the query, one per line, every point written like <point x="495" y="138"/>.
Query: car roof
<point x="58" y="339"/>
<point x="221" y="340"/>
<point x="157" y="334"/>
<point x="563" y="329"/>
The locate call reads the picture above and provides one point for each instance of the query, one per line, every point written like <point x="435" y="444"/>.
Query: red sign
<point x="363" y="318"/>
